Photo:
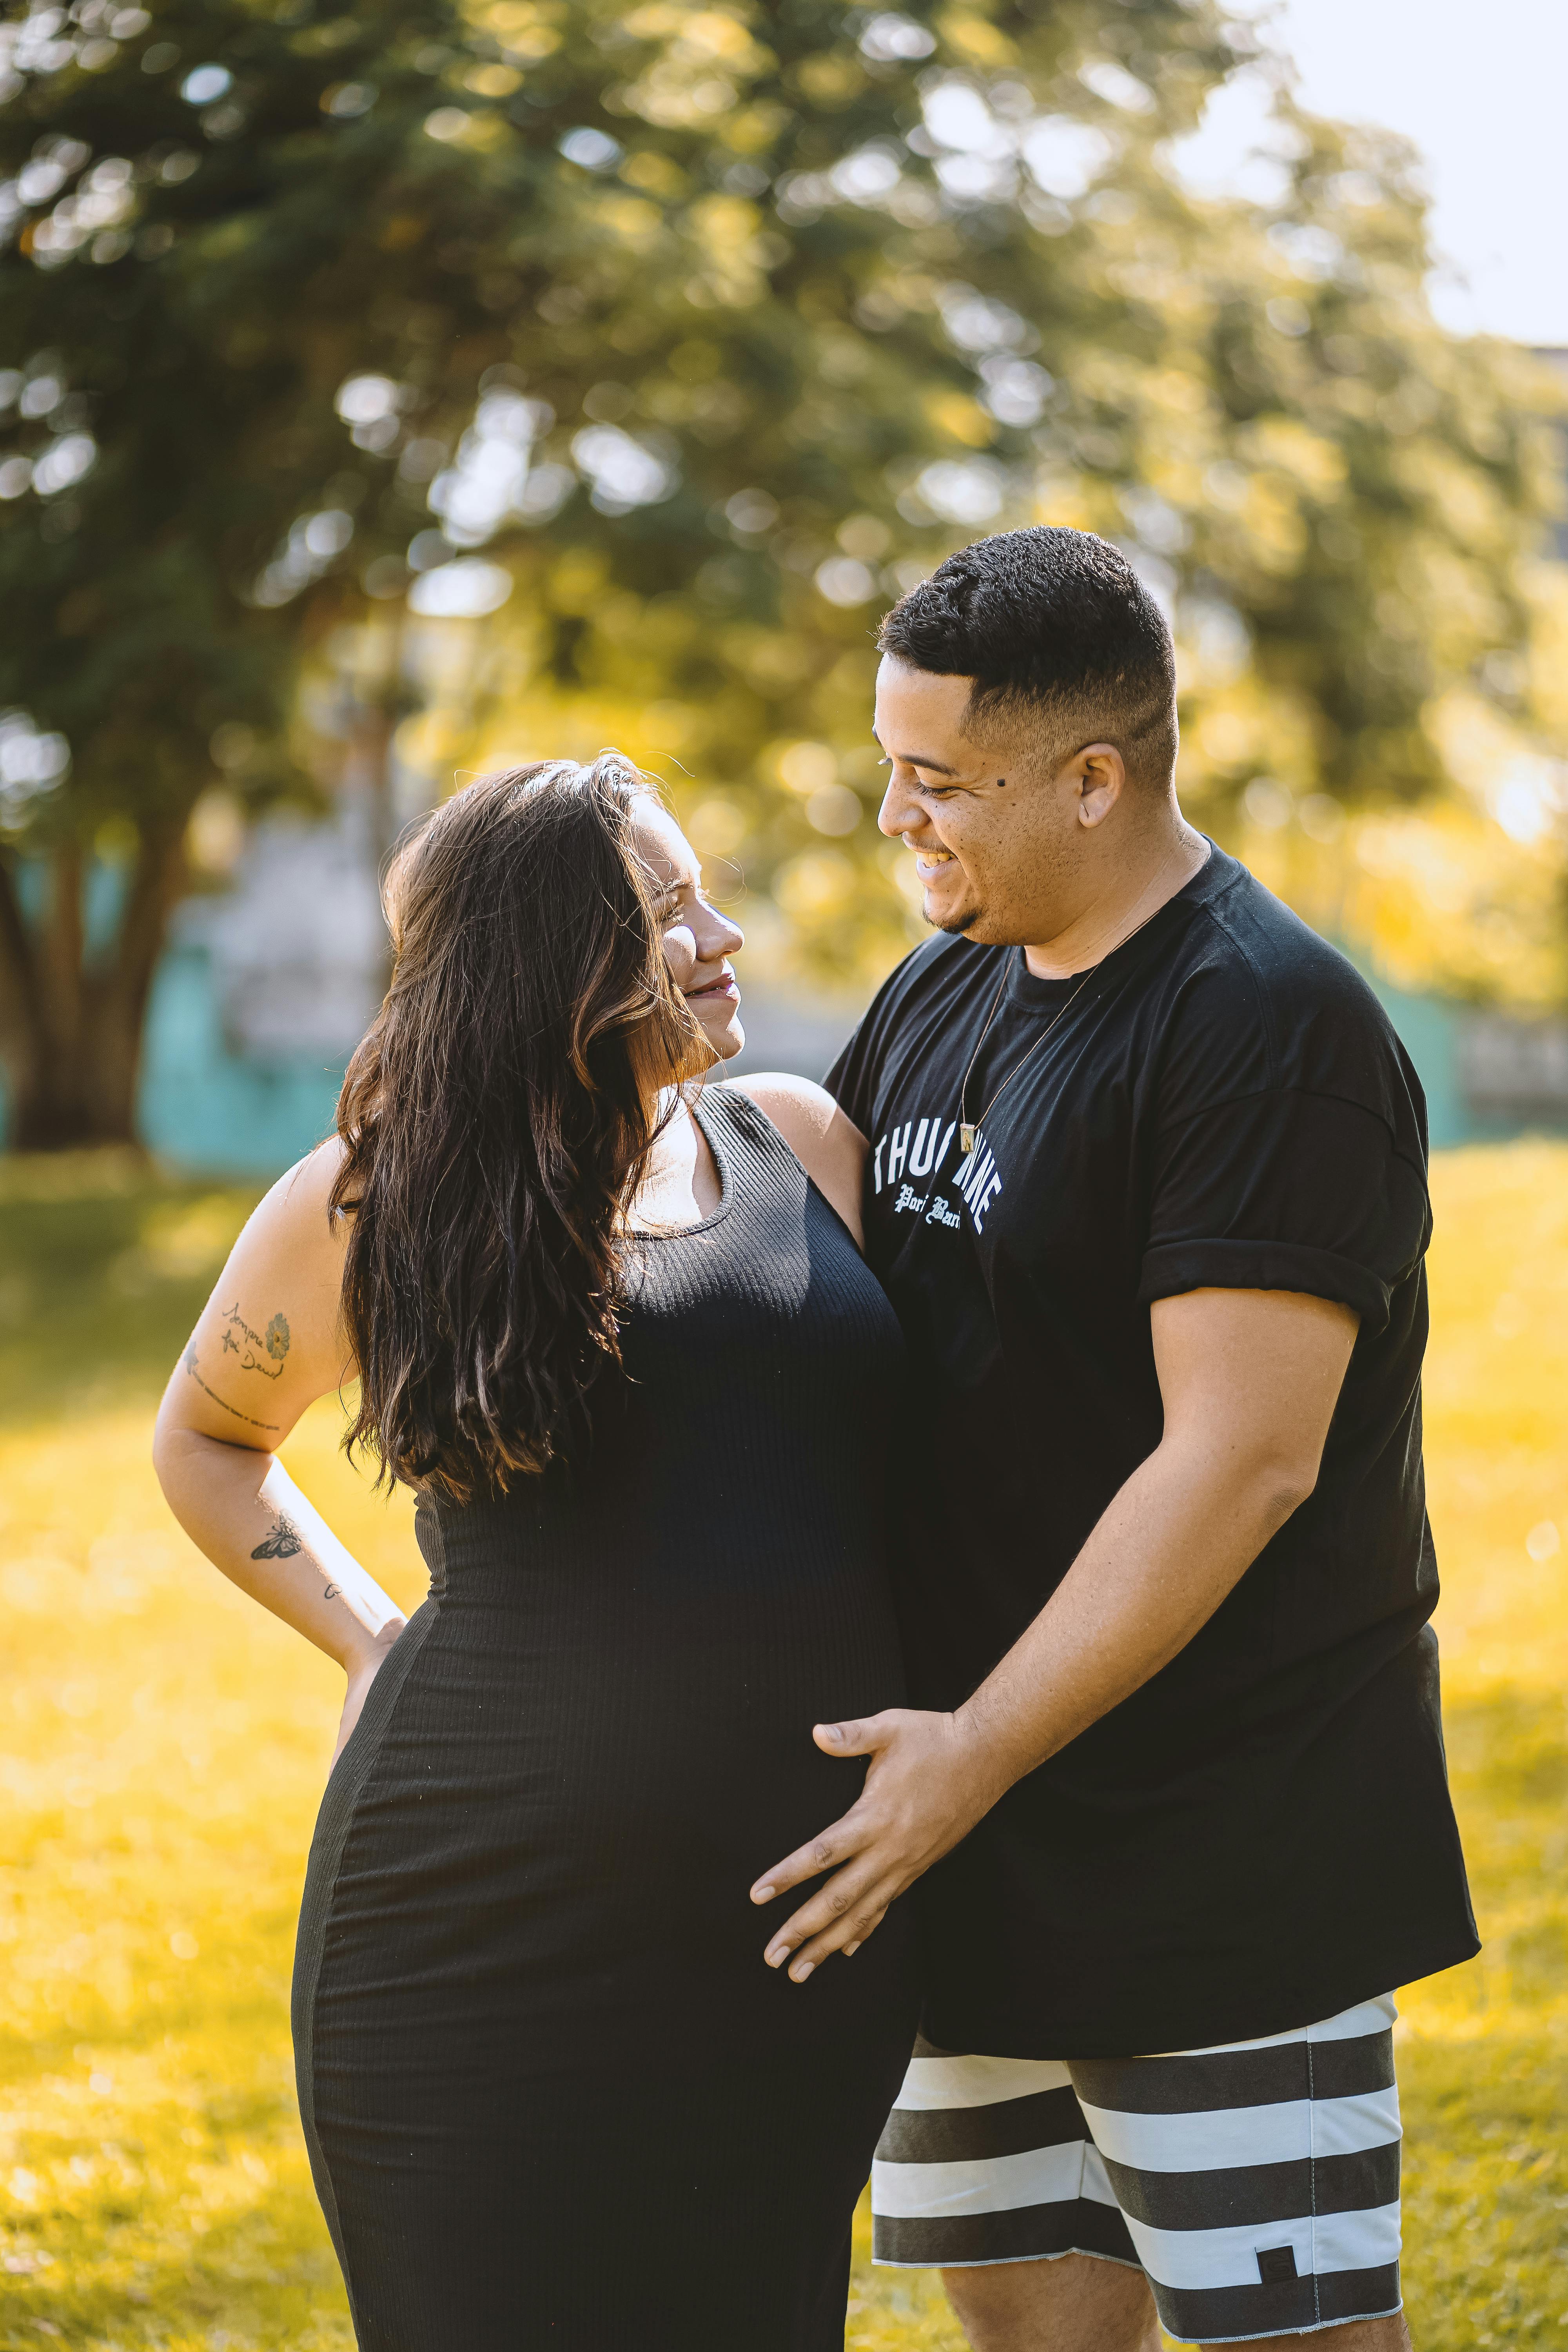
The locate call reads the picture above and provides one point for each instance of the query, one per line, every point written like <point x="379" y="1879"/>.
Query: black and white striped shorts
<point x="1256" y="2183"/>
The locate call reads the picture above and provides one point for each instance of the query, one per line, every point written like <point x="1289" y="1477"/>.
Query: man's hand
<point x="1249" y="1379"/>
<point x="927" y="1786"/>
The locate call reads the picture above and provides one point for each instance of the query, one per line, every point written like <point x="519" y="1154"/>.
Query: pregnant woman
<point x="614" y="1333"/>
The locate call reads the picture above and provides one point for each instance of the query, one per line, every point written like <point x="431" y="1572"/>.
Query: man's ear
<point x="1101" y="778"/>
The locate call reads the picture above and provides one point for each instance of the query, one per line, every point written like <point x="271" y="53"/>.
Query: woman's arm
<point x="270" y="1343"/>
<point x="829" y="1147"/>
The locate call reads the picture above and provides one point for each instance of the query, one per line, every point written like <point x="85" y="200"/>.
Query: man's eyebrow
<point x="914" y="759"/>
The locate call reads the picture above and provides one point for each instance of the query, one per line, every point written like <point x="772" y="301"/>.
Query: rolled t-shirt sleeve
<point x="1286" y="1190"/>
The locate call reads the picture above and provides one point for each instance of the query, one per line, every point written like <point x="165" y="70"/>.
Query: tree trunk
<point x="71" y="1020"/>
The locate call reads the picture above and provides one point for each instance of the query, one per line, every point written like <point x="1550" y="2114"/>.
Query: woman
<point x="616" y="1334"/>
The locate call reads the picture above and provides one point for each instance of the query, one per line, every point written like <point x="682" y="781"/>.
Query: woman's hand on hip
<point x="362" y="1671"/>
<point x="926" y="1788"/>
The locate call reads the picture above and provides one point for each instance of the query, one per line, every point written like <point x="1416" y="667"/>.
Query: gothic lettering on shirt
<point x="917" y="1145"/>
<point x="919" y="1148"/>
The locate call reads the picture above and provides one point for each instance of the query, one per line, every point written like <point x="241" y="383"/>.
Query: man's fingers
<point x="835" y="1844"/>
<point x="843" y="1912"/>
<point x="815" y="1918"/>
<point x="838" y="1919"/>
<point x="811" y="1956"/>
<point x="861" y="1736"/>
<point x="865" y="1928"/>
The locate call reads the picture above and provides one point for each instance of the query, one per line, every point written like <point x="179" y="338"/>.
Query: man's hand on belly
<point x="1249" y="1379"/>
<point x="928" y="1784"/>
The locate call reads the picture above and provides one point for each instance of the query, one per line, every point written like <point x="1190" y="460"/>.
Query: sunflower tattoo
<point x="258" y="1351"/>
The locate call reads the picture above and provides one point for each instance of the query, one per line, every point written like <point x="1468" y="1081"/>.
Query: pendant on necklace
<point x="965" y="1138"/>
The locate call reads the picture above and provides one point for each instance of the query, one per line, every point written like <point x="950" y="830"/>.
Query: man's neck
<point x="1136" y="887"/>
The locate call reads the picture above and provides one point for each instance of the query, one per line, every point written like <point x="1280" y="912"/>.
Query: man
<point x="1147" y="1186"/>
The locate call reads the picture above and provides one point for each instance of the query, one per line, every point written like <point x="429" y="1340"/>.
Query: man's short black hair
<point x="1057" y="620"/>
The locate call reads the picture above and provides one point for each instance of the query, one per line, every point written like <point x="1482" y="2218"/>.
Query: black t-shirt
<point x="1262" y="1834"/>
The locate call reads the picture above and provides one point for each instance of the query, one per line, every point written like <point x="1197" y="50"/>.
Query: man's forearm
<point x="1175" y="1539"/>
<point x="1248" y="1380"/>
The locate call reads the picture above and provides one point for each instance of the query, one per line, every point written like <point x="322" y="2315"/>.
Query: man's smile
<point x="929" y="862"/>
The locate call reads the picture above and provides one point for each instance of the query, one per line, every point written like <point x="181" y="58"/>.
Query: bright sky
<point x="1483" y="93"/>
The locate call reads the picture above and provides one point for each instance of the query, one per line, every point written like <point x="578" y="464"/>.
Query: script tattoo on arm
<point x="281" y="1541"/>
<point x="192" y="1373"/>
<point x="258" y="1351"/>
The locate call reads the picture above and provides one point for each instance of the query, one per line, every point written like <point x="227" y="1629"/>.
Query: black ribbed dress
<point x="553" y="2096"/>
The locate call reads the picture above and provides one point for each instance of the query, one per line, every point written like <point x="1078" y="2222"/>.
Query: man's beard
<point x="958" y="926"/>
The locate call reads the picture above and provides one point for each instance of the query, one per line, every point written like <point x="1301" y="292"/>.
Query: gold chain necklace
<point x="969" y="1129"/>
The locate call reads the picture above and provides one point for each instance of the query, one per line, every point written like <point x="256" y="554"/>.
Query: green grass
<point x="162" y="1745"/>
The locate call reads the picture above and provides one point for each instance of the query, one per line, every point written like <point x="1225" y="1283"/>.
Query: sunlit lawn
<point x="162" y="1745"/>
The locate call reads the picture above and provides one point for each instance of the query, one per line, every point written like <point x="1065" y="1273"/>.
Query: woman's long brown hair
<point x="497" y="1120"/>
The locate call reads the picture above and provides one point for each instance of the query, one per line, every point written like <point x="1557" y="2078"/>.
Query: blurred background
<point x="392" y="394"/>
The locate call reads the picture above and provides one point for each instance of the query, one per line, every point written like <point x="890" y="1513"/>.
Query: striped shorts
<point x="1256" y="2184"/>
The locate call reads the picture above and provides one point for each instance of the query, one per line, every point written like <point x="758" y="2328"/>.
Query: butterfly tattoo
<point x="281" y="1541"/>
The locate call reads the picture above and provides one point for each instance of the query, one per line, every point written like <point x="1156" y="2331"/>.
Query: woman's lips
<point x="725" y="985"/>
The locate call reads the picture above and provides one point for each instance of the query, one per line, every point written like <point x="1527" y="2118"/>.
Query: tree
<point x="166" y="435"/>
<point x="712" y="322"/>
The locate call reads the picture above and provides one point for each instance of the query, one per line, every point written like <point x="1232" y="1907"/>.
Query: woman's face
<point x="697" y="939"/>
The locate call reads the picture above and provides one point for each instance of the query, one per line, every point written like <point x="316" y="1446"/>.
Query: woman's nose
<point x="723" y="937"/>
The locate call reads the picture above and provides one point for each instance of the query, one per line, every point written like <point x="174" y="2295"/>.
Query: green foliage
<point x="212" y="273"/>
<point x="782" y="303"/>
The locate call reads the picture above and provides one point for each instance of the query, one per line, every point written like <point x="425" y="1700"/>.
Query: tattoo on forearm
<point x="281" y="1541"/>
<point x="258" y="1351"/>
<point x="190" y="1363"/>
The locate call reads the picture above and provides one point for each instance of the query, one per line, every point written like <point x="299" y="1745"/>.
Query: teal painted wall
<point x="1428" y="1027"/>
<point x="203" y="1107"/>
<point x="1430" y="1031"/>
<point x="209" y="1110"/>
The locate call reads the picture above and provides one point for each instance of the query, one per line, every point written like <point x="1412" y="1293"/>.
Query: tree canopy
<point x="713" y="325"/>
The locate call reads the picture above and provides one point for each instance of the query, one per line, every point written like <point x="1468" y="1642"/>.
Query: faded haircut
<point x="1052" y="621"/>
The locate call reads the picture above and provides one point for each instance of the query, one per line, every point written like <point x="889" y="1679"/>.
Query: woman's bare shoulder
<point x="790" y="1102"/>
<point x="301" y="1200"/>
<point x="829" y="1146"/>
